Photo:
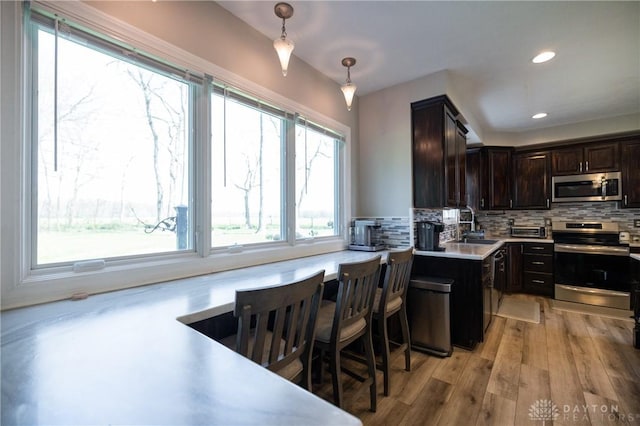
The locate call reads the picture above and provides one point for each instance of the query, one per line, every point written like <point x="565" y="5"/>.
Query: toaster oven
<point x="528" y="231"/>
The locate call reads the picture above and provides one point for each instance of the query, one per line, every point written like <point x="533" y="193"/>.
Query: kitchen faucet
<point x="472" y="222"/>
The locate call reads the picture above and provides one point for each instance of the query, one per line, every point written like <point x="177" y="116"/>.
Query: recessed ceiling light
<point x="543" y="57"/>
<point x="539" y="115"/>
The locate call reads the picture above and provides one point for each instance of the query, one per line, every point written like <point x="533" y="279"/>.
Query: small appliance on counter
<point x="428" y="235"/>
<point x="364" y="235"/>
<point x="529" y="231"/>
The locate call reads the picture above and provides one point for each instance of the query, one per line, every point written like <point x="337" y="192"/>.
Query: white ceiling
<point x="485" y="45"/>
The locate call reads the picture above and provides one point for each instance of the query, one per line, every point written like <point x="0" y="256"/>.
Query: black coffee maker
<point x="428" y="235"/>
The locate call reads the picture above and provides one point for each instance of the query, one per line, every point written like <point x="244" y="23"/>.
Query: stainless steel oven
<point x="591" y="266"/>
<point x="587" y="187"/>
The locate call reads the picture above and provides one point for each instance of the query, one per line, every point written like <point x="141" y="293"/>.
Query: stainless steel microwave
<point x="587" y="187"/>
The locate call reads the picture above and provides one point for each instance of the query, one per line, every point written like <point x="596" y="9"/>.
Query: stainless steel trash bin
<point x="429" y="315"/>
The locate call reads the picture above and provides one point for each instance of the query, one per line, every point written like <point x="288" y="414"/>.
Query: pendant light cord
<point x="55" y="98"/>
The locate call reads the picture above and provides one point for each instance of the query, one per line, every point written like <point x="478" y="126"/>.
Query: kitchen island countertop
<point x="128" y="357"/>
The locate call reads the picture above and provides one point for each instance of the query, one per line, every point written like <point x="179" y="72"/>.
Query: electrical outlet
<point x="636" y="223"/>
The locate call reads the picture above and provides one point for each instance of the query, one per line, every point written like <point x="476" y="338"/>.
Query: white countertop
<point x="467" y="251"/>
<point x="124" y="357"/>
<point x="473" y="251"/>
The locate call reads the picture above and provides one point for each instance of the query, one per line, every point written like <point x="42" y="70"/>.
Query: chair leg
<point x="384" y="337"/>
<point x="317" y="365"/>
<point x="371" y="363"/>
<point x="334" y="367"/>
<point x="404" y="325"/>
<point x="307" y="367"/>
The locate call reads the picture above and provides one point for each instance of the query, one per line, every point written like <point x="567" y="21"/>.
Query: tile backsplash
<point x="497" y="222"/>
<point x="397" y="232"/>
<point x="394" y="231"/>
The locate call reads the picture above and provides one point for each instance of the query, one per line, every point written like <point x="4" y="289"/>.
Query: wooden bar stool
<point x="390" y="300"/>
<point x="276" y="327"/>
<point x="348" y="320"/>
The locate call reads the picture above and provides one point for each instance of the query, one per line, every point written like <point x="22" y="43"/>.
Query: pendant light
<point x="348" y="88"/>
<point x="283" y="46"/>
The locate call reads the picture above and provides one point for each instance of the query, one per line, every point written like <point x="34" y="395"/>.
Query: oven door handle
<point x="590" y="249"/>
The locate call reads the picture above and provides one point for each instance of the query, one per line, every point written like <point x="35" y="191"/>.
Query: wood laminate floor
<point x="571" y="369"/>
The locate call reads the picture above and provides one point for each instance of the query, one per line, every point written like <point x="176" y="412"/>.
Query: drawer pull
<point x="537" y="263"/>
<point x="538" y="281"/>
<point x="537" y="248"/>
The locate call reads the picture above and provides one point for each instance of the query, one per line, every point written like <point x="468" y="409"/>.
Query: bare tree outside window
<point x="122" y="153"/>
<point x="315" y="183"/>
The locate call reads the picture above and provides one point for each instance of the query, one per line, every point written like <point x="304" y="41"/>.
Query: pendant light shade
<point x="283" y="46"/>
<point x="348" y="88"/>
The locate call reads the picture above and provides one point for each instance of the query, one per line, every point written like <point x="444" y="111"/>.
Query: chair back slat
<point x="277" y="332"/>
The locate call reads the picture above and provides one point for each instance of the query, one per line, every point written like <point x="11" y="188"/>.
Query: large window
<point x="111" y="152"/>
<point x="134" y="162"/>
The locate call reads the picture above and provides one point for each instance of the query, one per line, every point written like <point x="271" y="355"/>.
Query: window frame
<point x="22" y="285"/>
<point x="41" y="21"/>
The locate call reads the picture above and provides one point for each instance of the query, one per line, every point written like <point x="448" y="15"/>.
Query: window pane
<point x="122" y="156"/>
<point x="246" y="174"/>
<point x="316" y="176"/>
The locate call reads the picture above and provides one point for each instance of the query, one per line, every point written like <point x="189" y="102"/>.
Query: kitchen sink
<point x="476" y="241"/>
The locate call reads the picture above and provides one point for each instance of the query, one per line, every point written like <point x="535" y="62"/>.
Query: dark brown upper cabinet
<point x="497" y="179"/>
<point x="438" y="154"/>
<point x="474" y="177"/>
<point x="630" y="174"/>
<point x="587" y="158"/>
<point x="489" y="178"/>
<point x="532" y="180"/>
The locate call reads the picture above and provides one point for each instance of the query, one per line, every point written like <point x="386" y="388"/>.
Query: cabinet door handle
<point x="586" y="167"/>
<point x="580" y="167"/>
<point x="510" y="204"/>
<point x="626" y="203"/>
<point x="537" y="281"/>
<point x="482" y="202"/>
<point x="537" y="263"/>
<point x="547" y="203"/>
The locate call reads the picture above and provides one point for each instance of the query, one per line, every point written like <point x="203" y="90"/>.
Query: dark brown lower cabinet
<point x="537" y="260"/>
<point x="514" y="268"/>
<point x="466" y="305"/>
